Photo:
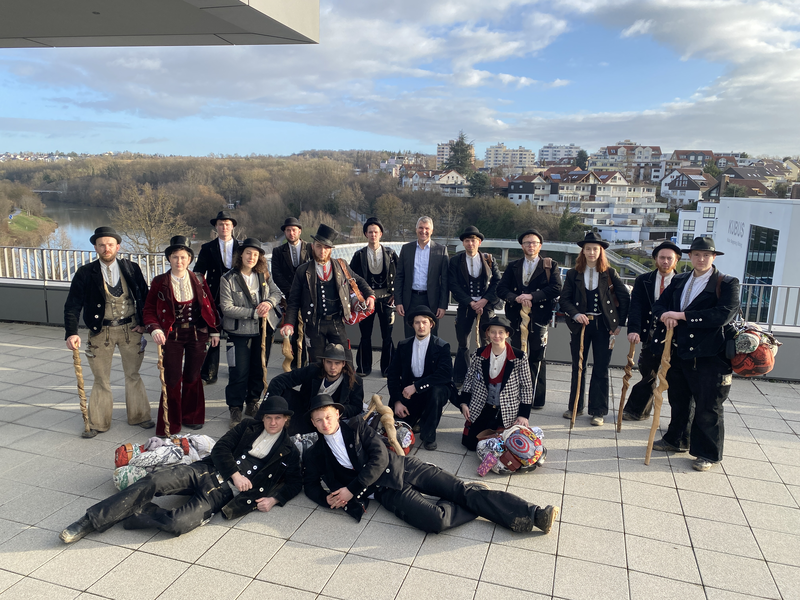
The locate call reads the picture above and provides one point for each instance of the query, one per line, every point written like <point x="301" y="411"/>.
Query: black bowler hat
<point x="667" y="246"/>
<point x="273" y="405"/>
<point x="325" y="235"/>
<point x="180" y="242"/>
<point x="290" y="222"/>
<point x="530" y="232"/>
<point x="472" y="231"/>
<point x="706" y="244"/>
<point x="421" y="311"/>
<point x="592" y="237"/>
<point x="223" y="215"/>
<point x="105" y="232"/>
<point x="334" y="352"/>
<point x="252" y="243"/>
<point x="500" y="322"/>
<point x="321" y="401"/>
<point x="372" y="221"/>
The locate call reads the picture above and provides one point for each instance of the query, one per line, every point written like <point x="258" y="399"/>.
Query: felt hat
<point x="471" y="231"/>
<point x="706" y="244"/>
<point x="372" y="221"/>
<point x="252" y="243"/>
<point x="334" y="352"/>
<point x="291" y="222"/>
<point x="273" y="405"/>
<point x="223" y="215"/>
<point x="420" y="311"/>
<point x="325" y="235"/>
<point x="179" y="242"/>
<point x="105" y="232"/>
<point x="667" y="246"/>
<point x="500" y="322"/>
<point x="321" y="401"/>
<point x="530" y="232"/>
<point x="592" y="237"/>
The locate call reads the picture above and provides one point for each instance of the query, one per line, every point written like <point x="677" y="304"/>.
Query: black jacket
<point x="280" y="477"/>
<point x="703" y="332"/>
<point x="458" y="280"/>
<point x="209" y="263"/>
<point x="438" y="368"/>
<point x="438" y="292"/>
<point x="360" y="266"/>
<point x="640" y="315"/>
<point x="573" y="299"/>
<point x="283" y="268"/>
<point x="86" y="293"/>
<point x="310" y="379"/>
<point x="544" y="291"/>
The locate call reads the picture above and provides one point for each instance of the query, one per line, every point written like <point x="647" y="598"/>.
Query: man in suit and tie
<point x="213" y="261"/>
<point x="646" y="290"/>
<point x="534" y="283"/>
<point x="420" y="376"/>
<point x="422" y="275"/>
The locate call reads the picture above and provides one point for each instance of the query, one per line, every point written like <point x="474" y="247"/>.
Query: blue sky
<point x="722" y="74"/>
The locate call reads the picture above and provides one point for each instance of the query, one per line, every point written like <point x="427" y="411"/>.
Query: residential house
<point x="755" y="189"/>
<point x="701" y="222"/>
<point x="687" y="188"/>
<point x="693" y="158"/>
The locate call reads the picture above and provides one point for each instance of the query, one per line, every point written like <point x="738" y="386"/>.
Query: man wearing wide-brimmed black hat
<point x="698" y="306"/>
<point x="377" y="264"/>
<point x="647" y="289"/>
<point x="473" y="277"/>
<point x="321" y="296"/>
<point x="214" y="260"/>
<point x="420" y="376"/>
<point x="111" y="292"/>
<point x="255" y="466"/>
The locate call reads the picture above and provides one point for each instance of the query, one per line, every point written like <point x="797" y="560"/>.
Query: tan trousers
<point x="100" y="351"/>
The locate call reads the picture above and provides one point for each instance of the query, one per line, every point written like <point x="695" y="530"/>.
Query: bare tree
<point x="311" y="220"/>
<point x="146" y="219"/>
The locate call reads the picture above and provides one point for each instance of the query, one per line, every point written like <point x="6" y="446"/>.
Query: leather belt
<point x="184" y="325"/>
<point x="419" y="292"/>
<point x="117" y="322"/>
<point x="330" y="317"/>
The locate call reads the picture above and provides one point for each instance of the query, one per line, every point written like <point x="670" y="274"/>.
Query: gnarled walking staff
<point x="165" y="410"/>
<point x="525" y="315"/>
<point x="263" y="358"/>
<point x="387" y="420"/>
<point x="477" y="332"/>
<point x="76" y="360"/>
<point x="300" y="335"/>
<point x="658" y="393"/>
<point x="580" y="374"/>
<point x="626" y="379"/>
<point x="288" y="355"/>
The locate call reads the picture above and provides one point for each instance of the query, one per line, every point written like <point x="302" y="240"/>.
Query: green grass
<point x="25" y="223"/>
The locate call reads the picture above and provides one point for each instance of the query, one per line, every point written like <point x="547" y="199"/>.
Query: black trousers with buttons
<point x="426" y="409"/>
<point x="596" y="337"/>
<point x="537" y="344"/>
<point x="384" y="313"/>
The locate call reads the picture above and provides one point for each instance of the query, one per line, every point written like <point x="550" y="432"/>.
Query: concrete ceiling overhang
<point x="96" y="23"/>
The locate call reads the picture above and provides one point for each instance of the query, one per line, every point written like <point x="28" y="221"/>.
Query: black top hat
<point x="420" y="311"/>
<point x="325" y="235"/>
<point x="273" y="405"/>
<point x="372" y="221"/>
<point x="252" y="243"/>
<point x="334" y="352"/>
<point x="291" y="222"/>
<point x="321" y="401"/>
<point x="104" y="232"/>
<point x="704" y="243"/>
<point x="470" y="232"/>
<point x="592" y="237"/>
<point x="223" y="215"/>
<point x="667" y="246"/>
<point x="530" y="232"/>
<point x="179" y="242"/>
<point x="500" y="322"/>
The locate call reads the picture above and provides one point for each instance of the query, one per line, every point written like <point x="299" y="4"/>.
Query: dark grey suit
<point x="437" y="292"/>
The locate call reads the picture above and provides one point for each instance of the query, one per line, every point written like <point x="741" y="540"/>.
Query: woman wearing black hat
<point x="596" y="301"/>
<point x="498" y="389"/>
<point x="181" y="316"/>
<point x="247" y="295"/>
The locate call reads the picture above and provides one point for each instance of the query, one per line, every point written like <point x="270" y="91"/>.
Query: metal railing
<point x="770" y="305"/>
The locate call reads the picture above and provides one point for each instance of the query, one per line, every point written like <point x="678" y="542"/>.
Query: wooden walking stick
<point x="580" y="374"/>
<point x="658" y="393"/>
<point x="300" y="335"/>
<point x="477" y="332"/>
<point x="264" y="351"/>
<point x="626" y="379"/>
<point x="525" y="315"/>
<point x="165" y="412"/>
<point x="76" y="360"/>
<point x="288" y="355"/>
<point x="387" y="420"/>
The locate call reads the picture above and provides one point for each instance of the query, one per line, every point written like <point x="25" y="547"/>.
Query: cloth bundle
<point x="517" y="449"/>
<point x="755" y="350"/>
<point x="137" y="460"/>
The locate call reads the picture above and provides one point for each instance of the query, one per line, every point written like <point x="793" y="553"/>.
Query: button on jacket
<point x="458" y="279"/>
<point x="159" y="308"/>
<point x="543" y="290"/>
<point x="438" y="368"/>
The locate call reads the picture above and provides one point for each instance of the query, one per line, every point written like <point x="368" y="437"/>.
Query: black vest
<point x="593" y="301"/>
<point x="475" y="287"/>
<point x="378" y="282"/>
<point x="328" y="297"/>
<point x="116" y="290"/>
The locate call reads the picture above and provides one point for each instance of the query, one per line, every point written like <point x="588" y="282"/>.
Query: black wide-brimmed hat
<point x="706" y="244"/>
<point x="105" y="232"/>
<point x="530" y="232"/>
<point x="291" y="222"/>
<point x="471" y="231"/>
<point x="592" y="237"/>
<point x="223" y="215"/>
<point x="325" y="235"/>
<point x="667" y="246"/>
<point x="372" y="221"/>
<point x="334" y="352"/>
<point x="500" y="322"/>
<point x="421" y="311"/>
<point x="273" y="405"/>
<point x="252" y="243"/>
<point x="179" y="242"/>
<point x="321" y="401"/>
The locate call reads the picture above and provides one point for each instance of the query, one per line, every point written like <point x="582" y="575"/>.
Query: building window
<point x="687" y="239"/>
<point x="709" y="212"/>
<point x="688" y="225"/>
<point x="710" y="226"/>
<point x="762" y="251"/>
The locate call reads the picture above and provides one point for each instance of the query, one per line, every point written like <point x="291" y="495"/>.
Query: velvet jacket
<point x="159" y="308"/>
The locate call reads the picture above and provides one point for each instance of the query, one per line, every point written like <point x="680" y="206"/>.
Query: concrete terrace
<point x="626" y="530"/>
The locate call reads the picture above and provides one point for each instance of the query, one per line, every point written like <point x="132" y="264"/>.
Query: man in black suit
<point x="473" y="277"/>
<point x="534" y="283"/>
<point x="422" y="275"/>
<point x="420" y="376"/>
<point x="111" y="292"/>
<point x="352" y="461"/>
<point x="698" y="306"/>
<point x="647" y="289"/>
<point x="377" y="264"/>
<point x="214" y="260"/>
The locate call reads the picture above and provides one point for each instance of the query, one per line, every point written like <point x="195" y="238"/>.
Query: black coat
<point x="438" y="368"/>
<point x="310" y="379"/>
<point x="438" y="292"/>
<point x="283" y="268"/>
<point x="544" y="291"/>
<point x="458" y="280"/>
<point x="280" y="477"/>
<point x="209" y="263"/>
<point x="573" y="299"/>
<point x="640" y="315"/>
<point x="703" y="331"/>
<point x="86" y="293"/>
<point x="360" y="265"/>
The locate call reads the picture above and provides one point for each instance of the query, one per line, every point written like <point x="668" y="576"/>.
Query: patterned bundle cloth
<point x="157" y="453"/>
<point x="525" y="443"/>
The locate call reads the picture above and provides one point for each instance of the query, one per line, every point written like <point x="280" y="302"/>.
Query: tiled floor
<point x="626" y="531"/>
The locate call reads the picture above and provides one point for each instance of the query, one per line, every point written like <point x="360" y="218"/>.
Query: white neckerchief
<point x="110" y="273"/>
<point x="667" y="281"/>
<point x="591" y="278"/>
<point x="528" y="268"/>
<point x="226" y="249"/>
<point x="330" y="388"/>
<point x="418" y="355"/>
<point x="335" y="442"/>
<point x="375" y="260"/>
<point x="322" y="269"/>
<point x="263" y="444"/>
<point x="496" y="362"/>
<point x="182" y="288"/>
<point x="694" y="286"/>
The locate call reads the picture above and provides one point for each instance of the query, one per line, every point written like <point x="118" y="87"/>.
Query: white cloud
<point x="639" y="27"/>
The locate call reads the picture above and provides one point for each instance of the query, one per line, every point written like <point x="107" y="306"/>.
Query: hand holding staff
<point x="76" y="359"/>
<point x="658" y="393"/>
<point x="165" y="412"/>
<point x="626" y="379"/>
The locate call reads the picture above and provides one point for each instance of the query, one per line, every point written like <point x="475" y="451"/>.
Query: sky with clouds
<point x="722" y="75"/>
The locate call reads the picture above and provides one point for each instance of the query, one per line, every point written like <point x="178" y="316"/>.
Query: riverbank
<point x="29" y="230"/>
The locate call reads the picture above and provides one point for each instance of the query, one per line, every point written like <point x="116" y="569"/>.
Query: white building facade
<point x="500" y="156"/>
<point x="554" y="152"/>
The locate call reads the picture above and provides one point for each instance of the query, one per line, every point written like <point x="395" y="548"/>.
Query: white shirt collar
<point x="110" y="272"/>
<point x="335" y="442"/>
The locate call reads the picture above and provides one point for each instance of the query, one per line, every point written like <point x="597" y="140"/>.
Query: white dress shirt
<point x="325" y="271"/>
<point x="226" y="249"/>
<point x="591" y="278"/>
<point x="422" y="258"/>
<point x="496" y="362"/>
<point x="474" y="266"/>
<point x="418" y="355"/>
<point x="110" y="273"/>
<point x="182" y="288"/>
<point x="693" y="287"/>
<point x="667" y="281"/>
<point x="528" y="267"/>
<point x="335" y="442"/>
<point x="375" y="260"/>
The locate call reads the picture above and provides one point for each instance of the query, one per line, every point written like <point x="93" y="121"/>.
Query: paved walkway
<point x="626" y="530"/>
